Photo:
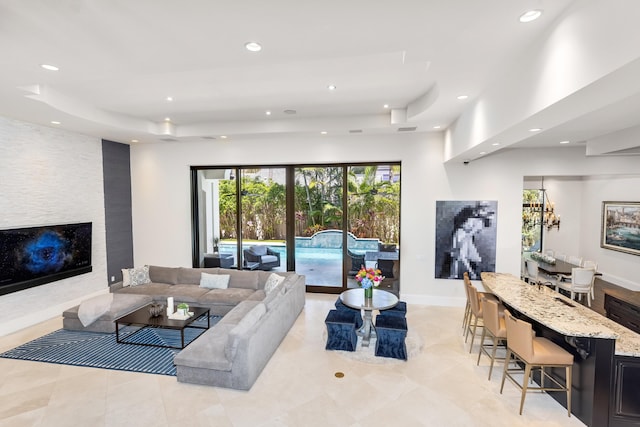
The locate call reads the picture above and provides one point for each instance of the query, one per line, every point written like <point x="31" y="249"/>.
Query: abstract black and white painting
<point x="465" y="238"/>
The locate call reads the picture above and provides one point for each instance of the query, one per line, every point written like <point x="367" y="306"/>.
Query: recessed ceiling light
<point x="253" y="46"/>
<point x="385" y="106"/>
<point x="437" y="127"/>
<point x="324" y="132"/>
<point x="535" y="129"/>
<point x="55" y="122"/>
<point x="167" y="119"/>
<point x="134" y="140"/>
<point x="564" y="142"/>
<point x="49" y="67"/>
<point x="169" y="98"/>
<point x="332" y="87"/>
<point x="530" y="15"/>
<point x="495" y="144"/>
<point x="223" y="136"/>
<point x="268" y="113"/>
<point x="482" y="153"/>
<point x="462" y="97"/>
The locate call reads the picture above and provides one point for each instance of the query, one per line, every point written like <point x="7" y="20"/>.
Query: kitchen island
<point x="606" y="366"/>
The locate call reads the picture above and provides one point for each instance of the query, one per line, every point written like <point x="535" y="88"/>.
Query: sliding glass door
<point x="319" y="224"/>
<point x="263" y="231"/>
<point x="323" y="221"/>
<point x="373" y="206"/>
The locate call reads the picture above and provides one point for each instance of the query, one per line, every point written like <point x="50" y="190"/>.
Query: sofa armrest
<point x="114" y="287"/>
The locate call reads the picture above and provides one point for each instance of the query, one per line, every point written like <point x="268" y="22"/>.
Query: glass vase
<point x="368" y="292"/>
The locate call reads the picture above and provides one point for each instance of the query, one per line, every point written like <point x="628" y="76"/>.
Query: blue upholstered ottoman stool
<point x="399" y="310"/>
<point x="341" y="307"/>
<point x="341" y="330"/>
<point x="391" y="331"/>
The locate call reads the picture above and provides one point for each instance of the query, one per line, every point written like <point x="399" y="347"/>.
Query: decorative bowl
<point x="156" y="309"/>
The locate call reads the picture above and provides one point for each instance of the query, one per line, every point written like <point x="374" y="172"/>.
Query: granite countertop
<point x="544" y="306"/>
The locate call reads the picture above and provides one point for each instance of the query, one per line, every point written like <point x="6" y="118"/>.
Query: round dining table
<point x="381" y="300"/>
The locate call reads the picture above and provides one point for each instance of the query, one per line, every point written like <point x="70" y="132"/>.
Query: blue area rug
<point x="100" y="350"/>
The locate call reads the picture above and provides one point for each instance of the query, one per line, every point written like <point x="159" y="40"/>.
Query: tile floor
<point x="441" y="386"/>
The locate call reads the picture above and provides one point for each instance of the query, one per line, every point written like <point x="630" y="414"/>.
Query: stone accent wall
<point x="50" y="176"/>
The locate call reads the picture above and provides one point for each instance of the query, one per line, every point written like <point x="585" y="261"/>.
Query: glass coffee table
<point x="143" y="318"/>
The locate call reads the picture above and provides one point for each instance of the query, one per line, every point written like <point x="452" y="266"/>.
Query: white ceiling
<point x="120" y="59"/>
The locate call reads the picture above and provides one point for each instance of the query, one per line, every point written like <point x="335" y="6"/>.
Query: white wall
<point x="49" y="176"/>
<point x="161" y="204"/>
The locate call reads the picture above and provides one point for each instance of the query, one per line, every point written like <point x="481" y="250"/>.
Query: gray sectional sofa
<point x="233" y="352"/>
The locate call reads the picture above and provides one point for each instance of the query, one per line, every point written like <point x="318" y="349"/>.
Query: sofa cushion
<point x="208" y="351"/>
<point x="248" y="322"/>
<point x="236" y="314"/>
<point x="273" y="281"/>
<point x="268" y="258"/>
<point x="152" y="289"/>
<point x="90" y="310"/>
<point x="167" y="275"/>
<point x="229" y="296"/>
<point x="243" y="279"/>
<point x="138" y="276"/>
<point x="186" y="293"/>
<point x="259" y="249"/>
<point x="214" y="281"/>
<point x="191" y="276"/>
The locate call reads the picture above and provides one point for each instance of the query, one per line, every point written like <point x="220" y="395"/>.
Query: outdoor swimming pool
<point x="321" y="266"/>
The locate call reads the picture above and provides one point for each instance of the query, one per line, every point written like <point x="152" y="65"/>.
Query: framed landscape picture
<point x="621" y="227"/>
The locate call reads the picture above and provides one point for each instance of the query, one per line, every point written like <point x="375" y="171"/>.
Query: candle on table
<point x="169" y="306"/>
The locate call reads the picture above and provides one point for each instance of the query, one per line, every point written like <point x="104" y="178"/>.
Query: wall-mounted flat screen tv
<point x="33" y="256"/>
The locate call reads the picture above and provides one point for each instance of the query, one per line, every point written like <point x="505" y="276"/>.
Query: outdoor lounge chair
<point x="357" y="262"/>
<point x="386" y="267"/>
<point x="263" y="255"/>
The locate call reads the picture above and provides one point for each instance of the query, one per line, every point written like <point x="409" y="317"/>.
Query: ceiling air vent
<point x="407" y="129"/>
<point x="168" y="139"/>
<point x="355" y="131"/>
<point x="209" y="137"/>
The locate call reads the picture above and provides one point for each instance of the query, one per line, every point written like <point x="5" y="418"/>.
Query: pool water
<point x="321" y="266"/>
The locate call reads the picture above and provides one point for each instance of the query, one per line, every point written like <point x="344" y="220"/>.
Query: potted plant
<point x="216" y="240"/>
<point x="183" y="309"/>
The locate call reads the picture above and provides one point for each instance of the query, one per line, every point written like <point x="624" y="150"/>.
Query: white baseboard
<point x="33" y="318"/>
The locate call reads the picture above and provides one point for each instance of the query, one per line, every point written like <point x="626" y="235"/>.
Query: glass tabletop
<point x="381" y="300"/>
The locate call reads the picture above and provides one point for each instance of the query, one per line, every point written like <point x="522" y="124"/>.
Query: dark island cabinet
<point x="625" y="405"/>
<point x="622" y="311"/>
<point x="625" y="410"/>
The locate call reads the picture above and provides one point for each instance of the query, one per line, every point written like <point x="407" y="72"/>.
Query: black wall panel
<point x="116" y="168"/>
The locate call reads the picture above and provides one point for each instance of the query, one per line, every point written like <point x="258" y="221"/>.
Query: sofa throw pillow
<point x="139" y="276"/>
<point x="126" y="279"/>
<point x="89" y="310"/>
<point x="214" y="281"/>
<point x="272" y="281"/>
